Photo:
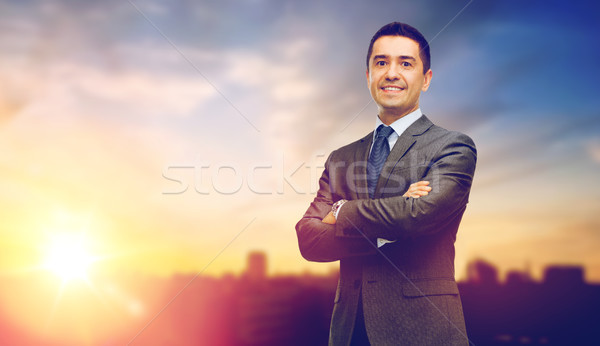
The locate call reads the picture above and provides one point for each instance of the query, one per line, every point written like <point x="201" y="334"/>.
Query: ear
<point x="368" y="80"/>
<point x="427" y="80"/>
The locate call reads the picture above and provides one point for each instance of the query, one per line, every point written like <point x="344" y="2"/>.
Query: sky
<point x="161" y="139"/>
<point x="176" y="137"/>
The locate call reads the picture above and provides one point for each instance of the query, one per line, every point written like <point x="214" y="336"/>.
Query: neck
<point x="388" y="116"/>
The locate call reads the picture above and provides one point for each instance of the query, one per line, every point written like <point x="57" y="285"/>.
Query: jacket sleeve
<point x="450" y="173"/>
<point x="317" y="240"/>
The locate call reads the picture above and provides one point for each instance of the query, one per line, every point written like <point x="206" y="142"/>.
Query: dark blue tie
<point x="379" y="153"/>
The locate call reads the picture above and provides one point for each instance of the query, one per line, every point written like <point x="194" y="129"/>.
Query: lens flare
<point x="67" y="257"/>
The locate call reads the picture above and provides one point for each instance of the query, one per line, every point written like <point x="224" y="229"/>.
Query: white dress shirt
<point x="399" y="127"/>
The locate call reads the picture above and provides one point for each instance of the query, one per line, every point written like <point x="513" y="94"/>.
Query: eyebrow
<point x="402" y="57"/>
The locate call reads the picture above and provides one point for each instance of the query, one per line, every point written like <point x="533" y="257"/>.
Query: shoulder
<point x="441" y="135"/>
<point x="451" y="146"/>
<point x="450" y="136"/>
<point x="438" y="142"/>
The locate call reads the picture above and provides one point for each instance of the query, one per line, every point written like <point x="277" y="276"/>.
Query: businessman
<point x="394" y="241"/>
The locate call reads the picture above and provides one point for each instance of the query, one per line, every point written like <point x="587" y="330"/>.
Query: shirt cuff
<point x="338" y="208"/>
<point x="381" y="242"/>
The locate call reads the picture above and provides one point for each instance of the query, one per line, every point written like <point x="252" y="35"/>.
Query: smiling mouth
<point x="392" y="88"/>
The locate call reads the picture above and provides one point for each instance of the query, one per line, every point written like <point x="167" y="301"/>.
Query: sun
<point x="67" y="256"/>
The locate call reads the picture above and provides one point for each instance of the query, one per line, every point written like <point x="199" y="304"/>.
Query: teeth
<point x="392" y="88"/>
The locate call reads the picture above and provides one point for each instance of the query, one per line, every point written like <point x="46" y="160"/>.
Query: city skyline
<point x="255" y="308"/>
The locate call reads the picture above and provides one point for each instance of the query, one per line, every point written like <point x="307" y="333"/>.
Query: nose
<point x="392" y="72"/>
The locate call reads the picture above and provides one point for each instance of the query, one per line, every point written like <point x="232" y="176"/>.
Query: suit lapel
<point x="361" y="156"/>
<point x="403" y="145"/>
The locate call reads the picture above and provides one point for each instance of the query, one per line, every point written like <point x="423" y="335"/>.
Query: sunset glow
<point x="68" y="257"/>
<point x="146" y="143"/>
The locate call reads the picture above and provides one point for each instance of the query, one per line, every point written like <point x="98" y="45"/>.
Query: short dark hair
<point x="402" y="29"/>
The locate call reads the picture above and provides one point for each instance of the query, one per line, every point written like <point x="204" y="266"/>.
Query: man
<point x="396" y="253"/>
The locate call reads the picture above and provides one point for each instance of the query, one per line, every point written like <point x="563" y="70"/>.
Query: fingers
<point x="420" y="183"/>
<point x="329" y="219"/>
<point x="418" y="189"/>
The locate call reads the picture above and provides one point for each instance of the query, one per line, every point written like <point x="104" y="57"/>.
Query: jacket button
<point x="356" y="284"/>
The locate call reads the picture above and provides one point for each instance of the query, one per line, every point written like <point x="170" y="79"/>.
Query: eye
<point x="380" y="63"/>
<point x="406" y="64"/>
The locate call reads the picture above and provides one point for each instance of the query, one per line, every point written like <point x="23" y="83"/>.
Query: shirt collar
<point x="401" y="124"/>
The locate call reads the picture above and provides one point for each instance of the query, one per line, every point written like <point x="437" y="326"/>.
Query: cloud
<point x="10" y="105"/>
<point x="131" y="92"/>
<point x="593" y="149"/>
<point x="140" y="92"/>
<point x="282" y="77"/>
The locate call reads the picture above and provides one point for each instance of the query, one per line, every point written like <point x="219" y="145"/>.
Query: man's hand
<point x="415" y="190"/>
<point x="418" y="189"/>
<point x="329" y="218"/>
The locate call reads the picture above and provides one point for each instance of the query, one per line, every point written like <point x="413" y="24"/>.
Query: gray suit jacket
<point x="408" y="288"/>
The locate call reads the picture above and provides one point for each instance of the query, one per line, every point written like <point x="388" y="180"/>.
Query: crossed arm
<point x="416" y="190"/>
<point x="323" y="238"/>
<point x="451" y="173"/>
<point x="323" y="241"/>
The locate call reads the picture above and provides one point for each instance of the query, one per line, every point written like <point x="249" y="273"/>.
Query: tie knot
<point x="384" y="131"/>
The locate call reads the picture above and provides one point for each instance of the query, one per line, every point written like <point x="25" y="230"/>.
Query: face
<point x="395" y="76"/>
